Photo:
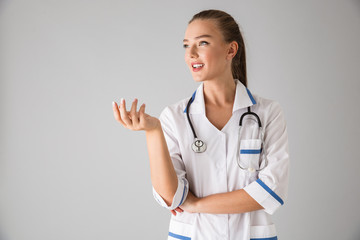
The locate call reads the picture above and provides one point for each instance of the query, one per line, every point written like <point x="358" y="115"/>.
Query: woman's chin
<point x="198" y="78"/>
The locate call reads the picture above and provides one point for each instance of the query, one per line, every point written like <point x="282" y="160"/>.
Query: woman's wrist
<point x="155" y="129"/>
<point x="197" y="205"/>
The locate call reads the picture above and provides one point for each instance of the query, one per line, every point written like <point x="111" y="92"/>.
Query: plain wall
<point x="69" y="170"/>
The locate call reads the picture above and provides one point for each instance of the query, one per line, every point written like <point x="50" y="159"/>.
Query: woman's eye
<point x="185" y="45"/>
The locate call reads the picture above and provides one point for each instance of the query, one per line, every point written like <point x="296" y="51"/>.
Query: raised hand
<point x="132" y="119"/>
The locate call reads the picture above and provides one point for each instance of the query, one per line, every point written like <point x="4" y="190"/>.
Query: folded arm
<point x="238" y="201"/>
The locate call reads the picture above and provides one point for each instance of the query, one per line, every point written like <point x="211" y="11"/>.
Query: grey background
<point x="69" y="171"/>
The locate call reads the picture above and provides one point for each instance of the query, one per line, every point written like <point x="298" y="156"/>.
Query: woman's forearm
<point x="238" y="201"/>
<point x="163" y="175"/>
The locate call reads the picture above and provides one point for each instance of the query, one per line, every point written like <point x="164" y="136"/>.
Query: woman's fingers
<point x="179" y="209"/>
<point x="134" y="114"/>
<point x="123" y="113"/>
<point x="133" y="119"/>
<point x="117" y="113"/>
<point x="142" y="112"/>
<point x="176" y="209"/>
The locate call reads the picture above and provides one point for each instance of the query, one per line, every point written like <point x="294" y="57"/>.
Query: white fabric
<point x="216" y="170"/>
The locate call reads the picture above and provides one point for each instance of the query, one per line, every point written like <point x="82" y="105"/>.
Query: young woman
<point x="220" y="180"/>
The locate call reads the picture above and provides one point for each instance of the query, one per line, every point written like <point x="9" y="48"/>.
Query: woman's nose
<point x="193" y="52"/>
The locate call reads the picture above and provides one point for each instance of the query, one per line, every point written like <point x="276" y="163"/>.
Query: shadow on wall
<point x="2" y="237"/>
<point x="357" y="4"/>
<point x="357" y="235"/>
<point x="3" y="4"/>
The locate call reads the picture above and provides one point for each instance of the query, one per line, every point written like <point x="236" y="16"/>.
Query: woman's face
<point x="204" y="44"/>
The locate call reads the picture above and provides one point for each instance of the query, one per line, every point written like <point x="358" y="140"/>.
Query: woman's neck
<point x="219" y="92"/>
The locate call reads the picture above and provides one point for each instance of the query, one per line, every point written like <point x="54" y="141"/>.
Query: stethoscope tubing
<point x="197" y="142"/>
<point x="187" y="113"/>
<point x="262" y="152"/>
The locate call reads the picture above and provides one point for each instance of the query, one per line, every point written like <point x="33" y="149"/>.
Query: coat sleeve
<point x="271" y="187"/>
<point x="167" y="123"/>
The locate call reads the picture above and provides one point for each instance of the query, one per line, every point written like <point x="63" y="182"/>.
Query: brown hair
<point x="231" y="32"/>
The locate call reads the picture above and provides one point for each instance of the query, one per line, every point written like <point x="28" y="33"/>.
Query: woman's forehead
<point x="199" y="28"/>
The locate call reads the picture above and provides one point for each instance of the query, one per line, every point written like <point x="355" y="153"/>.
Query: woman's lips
<point x="197" y="69"/>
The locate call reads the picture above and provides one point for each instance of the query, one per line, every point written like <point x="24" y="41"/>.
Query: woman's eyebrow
<point x="201" y="36"/>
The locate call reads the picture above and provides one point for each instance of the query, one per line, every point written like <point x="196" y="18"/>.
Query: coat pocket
<point x="180" y="230"/>
<point x="267" y="232"/>
<point x="250" y="150"/>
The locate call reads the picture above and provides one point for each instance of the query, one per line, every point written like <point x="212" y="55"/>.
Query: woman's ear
<point x="233" y="48"/>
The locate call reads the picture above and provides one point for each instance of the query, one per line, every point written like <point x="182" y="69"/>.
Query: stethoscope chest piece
<point x="198" y="146"/>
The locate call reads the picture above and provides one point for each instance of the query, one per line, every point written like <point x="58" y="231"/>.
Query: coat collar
<point x="243" y="98"/>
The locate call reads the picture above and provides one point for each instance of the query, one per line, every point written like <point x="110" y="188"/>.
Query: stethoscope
<point x="199" y="146"/>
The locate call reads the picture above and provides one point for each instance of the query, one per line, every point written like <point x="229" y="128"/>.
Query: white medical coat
<point x="216" y="170"/>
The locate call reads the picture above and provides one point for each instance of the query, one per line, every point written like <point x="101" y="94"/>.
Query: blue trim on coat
<point x="182" y="198"/>
<point x="250" y="151"/>
<point x="192" y="99"/>
<point x="178" y="236"/>
<point x="270" y="191"/>
<point x="270" y="238"/>
<point x="251" y="96"/>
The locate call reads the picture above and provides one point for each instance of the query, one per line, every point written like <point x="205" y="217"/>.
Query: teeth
<point x="198" y="65"/>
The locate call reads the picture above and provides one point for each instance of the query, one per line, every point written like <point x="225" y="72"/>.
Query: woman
<point x="230" y="189"/>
